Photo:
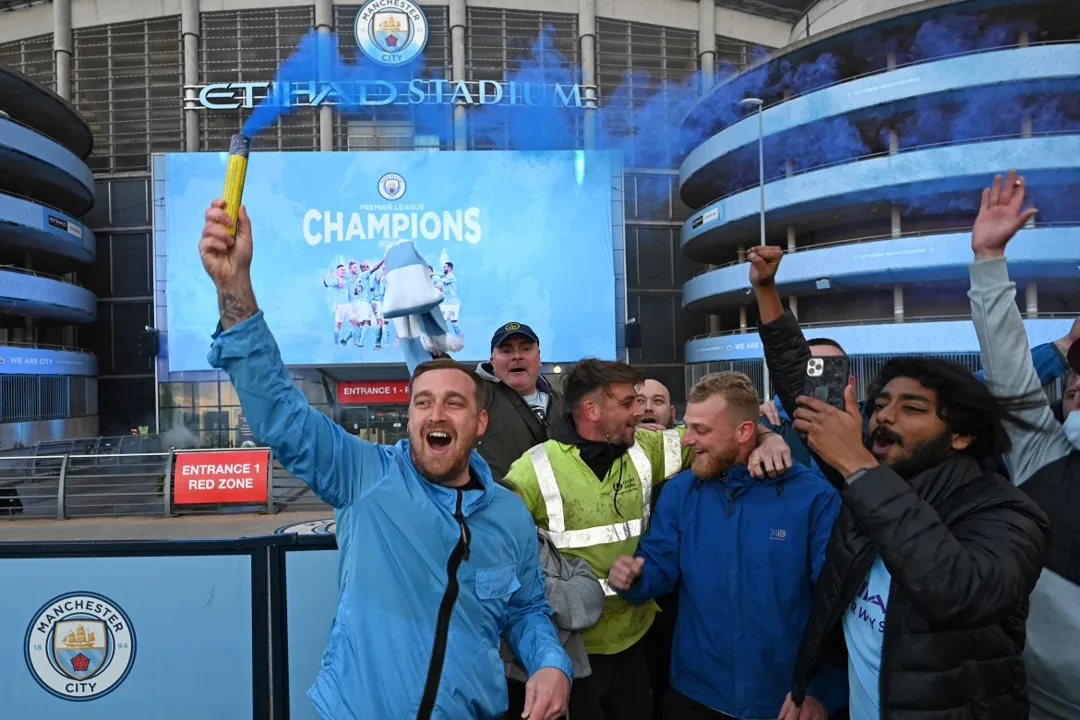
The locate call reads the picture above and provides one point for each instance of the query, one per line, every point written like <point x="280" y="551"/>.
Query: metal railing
<point x="35" y="273"/>
<point x="884" y="236"/>
<point x="42" y="346"/>
<point x="884" y="153"/>
<point x="773" y="57"/>
<point x="890" y="320"/>
<point x="118" y="484"/>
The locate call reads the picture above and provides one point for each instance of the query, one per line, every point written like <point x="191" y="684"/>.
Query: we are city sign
<point x="389" y="33"/>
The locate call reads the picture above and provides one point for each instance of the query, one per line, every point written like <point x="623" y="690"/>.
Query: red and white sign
<point x="229" y="476"/>
<point x="373" y="392"/>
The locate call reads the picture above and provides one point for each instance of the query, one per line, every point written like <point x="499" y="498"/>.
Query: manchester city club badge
<point x="391" y="32"/>
<point x="392" y="186"/>
<point x="80" y="646"/>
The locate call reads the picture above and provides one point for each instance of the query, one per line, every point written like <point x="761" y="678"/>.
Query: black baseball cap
<point x="511" y="329"/>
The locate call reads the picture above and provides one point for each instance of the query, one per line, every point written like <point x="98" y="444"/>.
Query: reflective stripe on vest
<point x="672" y="453"/>
<point x="545" y="476"/>
<point x="644" y="473"/>
<point x="607" y="588"/>
<point x="564" y="539"/>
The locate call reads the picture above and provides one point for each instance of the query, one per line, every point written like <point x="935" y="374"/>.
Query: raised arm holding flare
<point x="437" y="561"/>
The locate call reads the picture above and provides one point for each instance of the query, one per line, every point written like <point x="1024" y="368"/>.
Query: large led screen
<point x="510" y="237"/>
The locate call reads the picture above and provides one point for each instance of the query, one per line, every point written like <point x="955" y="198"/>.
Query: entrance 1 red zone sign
<point x="373" y="392"/>
<point x="229" y="476"/>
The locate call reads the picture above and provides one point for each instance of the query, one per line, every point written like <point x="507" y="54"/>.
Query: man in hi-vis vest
<point x="589" y="489"/>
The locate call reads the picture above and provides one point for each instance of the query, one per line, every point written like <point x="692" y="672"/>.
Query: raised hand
<point x="835" y="435"/>
<point x="1000" y="216"/>
<point x="224" y="257"/>
<point x="227" y="260"/>
<point x="764" y="262"/>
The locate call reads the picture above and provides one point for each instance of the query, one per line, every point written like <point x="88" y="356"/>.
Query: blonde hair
<point x="736" y="388"/>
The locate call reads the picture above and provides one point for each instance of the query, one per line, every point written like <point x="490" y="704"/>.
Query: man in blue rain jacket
<point x="437" y="561"/>
<point x="744" y="555"/>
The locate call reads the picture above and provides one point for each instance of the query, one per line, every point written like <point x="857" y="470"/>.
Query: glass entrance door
<point x="383" y="424"/>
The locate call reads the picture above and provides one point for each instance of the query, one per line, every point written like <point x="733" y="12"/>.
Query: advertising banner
<point x="373" y="392"/>
<point x="229" y="476"/>
<point x="101" y="638"/>
<point x="15" y="360"/>
<point x="508" y="236"/>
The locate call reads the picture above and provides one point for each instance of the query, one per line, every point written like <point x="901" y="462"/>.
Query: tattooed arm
<point x="336" y="465"/>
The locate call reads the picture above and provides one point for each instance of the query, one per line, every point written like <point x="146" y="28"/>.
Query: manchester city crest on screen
<point x="80" y="646"/>
<point x="392" y="186"/>
<point x="391" y="32"/>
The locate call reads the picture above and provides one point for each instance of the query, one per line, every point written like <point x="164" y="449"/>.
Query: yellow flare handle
<point x="235" y="174"/>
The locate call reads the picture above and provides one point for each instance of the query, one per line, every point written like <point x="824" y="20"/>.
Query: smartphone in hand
<point x="826" y="378"/>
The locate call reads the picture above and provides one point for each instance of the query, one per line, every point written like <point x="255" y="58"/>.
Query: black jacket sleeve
<point x="974" y="573"/>
<point x="786" y="354"/>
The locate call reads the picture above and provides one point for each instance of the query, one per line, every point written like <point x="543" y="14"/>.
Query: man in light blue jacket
<point x="437" y="561"/>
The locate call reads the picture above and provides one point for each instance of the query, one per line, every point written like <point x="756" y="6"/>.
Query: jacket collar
<point x="739" y="478"/>
<point x="940" y="481"/>
<point x="486" y="371"/>
<point x="473" y="500"/>
<point x="599" y="456"/>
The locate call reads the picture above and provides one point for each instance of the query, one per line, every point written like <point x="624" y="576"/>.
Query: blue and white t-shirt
<point x="361" y="286"/>
<point x="449" y="288"/>
<point x="340" y="290"/>
<point x="864" y="632"/>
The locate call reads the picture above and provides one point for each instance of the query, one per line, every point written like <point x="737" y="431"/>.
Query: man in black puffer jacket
<point x="929" y="567"/>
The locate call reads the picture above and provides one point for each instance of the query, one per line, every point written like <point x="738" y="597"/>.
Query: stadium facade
<point x="48" y="386"/>
<point x="128" y="67"/>
<point x="878" y="135"/>
<point x="169" y="76"/>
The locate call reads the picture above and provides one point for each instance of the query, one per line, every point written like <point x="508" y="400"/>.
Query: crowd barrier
<point x="169" y="629"/>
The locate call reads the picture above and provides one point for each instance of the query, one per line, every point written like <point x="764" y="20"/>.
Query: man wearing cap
<point x="521" y="405"/>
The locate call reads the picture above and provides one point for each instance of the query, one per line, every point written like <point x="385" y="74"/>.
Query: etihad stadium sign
<point x="390" y="33"/>
<point x="375" y="93"/>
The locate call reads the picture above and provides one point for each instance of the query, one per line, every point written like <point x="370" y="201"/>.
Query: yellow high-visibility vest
<point x="600" y="521"/>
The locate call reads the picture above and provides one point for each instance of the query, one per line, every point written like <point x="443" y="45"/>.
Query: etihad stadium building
<point x="657" y="79"/>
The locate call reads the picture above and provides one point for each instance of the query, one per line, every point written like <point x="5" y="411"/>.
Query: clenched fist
<point x="764" y="262"/>
<point x="226" y="259"/>
<point x="625" y="571"/>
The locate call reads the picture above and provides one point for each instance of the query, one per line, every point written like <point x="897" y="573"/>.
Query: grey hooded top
<point x="577" y="599"/>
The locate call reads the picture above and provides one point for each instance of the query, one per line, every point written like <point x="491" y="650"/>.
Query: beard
<point x="440" y="469"/>
<point x="922" y="456"/>
<point x="709" y="464"/>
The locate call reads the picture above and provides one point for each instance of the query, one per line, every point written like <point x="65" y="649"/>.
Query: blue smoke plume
<point x="645" y="117"/>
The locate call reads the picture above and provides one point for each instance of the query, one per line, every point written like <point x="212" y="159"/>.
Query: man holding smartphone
<point x="929" y="567"/>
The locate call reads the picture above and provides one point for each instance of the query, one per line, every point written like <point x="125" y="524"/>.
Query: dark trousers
<point x="679" y="707"/>
<point x="618" y="688"/>
<point x="657" y="646"/>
